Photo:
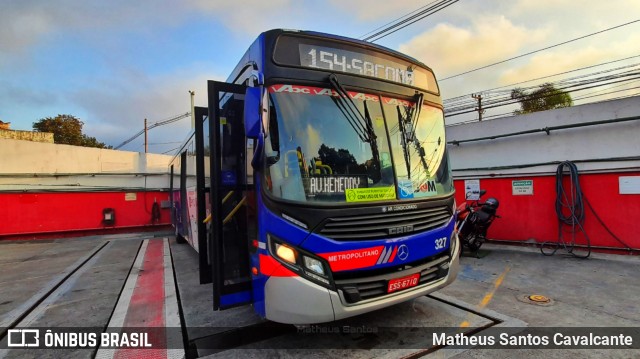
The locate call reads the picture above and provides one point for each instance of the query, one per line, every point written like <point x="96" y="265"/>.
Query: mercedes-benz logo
<point x="403" y="252"/>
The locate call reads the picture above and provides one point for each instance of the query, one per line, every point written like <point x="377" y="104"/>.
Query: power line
<point x="505" y="114"/>
<point x="591" y="83"/>
<point x="542" y="78"/>
<point x="510" y="101"/>
<point x="129" y="139"/>
<point x="410" y="20"/>
<point x="159" y="123"/>
<point x="401" y="17"/>
<point x="539" y="50"/>
<point x="465" y="102"/>
<point x="163" y="143"/>
<point x="606" y="93"/>
<point x="560" y="85"/>
<point x="173" y="149"/>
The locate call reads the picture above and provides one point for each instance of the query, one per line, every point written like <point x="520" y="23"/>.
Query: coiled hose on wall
<point x="570" y="211"/>
<point x="155" y="213"/>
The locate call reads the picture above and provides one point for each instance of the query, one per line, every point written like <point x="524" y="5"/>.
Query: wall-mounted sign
<point x="130" y="196"/>
<point x="629" y="184"/>
<point x="522" y="188"/>
<point x="472" y="189"/>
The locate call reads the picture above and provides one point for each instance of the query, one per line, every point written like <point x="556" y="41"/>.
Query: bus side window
<point x="273" y="171"/>
<point x="274" y="135"/>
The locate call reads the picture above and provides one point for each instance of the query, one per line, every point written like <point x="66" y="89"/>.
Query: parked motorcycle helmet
<point x="490" y="205"/>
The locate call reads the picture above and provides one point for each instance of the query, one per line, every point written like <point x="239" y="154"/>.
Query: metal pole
<point x="193" y="114"/>
<point x="479" y="108"/>
<point x="146" y="138"/>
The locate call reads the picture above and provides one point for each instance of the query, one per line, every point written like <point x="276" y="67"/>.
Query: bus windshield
<point x="327" y="149"/>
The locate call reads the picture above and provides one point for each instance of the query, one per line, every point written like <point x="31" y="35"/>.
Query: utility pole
<point x="193" y="113"/>
<point x="146" y="138"/>
<point x="479" y="108"/>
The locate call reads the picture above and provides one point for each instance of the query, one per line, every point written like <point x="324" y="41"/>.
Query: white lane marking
<point x="120" y="312"/>
<point x="171" y="312"/>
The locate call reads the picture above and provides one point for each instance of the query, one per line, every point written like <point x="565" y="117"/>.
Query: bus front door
<point x="233" y="221"/>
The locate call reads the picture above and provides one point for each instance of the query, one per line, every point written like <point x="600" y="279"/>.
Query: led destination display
<point x="335" y="56"/>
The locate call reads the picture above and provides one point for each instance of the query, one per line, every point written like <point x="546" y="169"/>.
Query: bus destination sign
<point x="333" y="59"/>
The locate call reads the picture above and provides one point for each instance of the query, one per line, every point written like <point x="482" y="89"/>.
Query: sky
<point x="114" y="63"/>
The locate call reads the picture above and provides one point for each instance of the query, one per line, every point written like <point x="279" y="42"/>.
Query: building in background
<point x="7" y="133"/>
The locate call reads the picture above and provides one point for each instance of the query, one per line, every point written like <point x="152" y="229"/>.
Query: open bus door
<point x="233" y="224"/>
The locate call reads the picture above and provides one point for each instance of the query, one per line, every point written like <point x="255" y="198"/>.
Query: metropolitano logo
<point x="23" y="338"/>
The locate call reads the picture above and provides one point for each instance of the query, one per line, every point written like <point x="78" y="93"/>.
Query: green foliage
<point x="67" y="129"/>
<point x="546" y="97"/>
<point x="339" y="160"/>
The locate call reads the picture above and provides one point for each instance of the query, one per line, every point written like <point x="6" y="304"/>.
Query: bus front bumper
<point x="295" y="300"/>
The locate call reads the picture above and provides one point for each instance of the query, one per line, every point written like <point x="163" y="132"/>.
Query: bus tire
<point x="180" y="239"/>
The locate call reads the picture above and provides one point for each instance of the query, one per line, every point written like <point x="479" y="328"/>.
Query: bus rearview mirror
<point x="252" y="112"/>
<point x="256" y="161"/>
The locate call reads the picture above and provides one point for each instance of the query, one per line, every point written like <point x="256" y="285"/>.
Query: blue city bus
<point x="316" y="184"/>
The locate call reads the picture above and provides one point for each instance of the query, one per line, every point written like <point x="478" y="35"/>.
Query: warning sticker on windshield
<point x="370" y="194"/>
<point x="405" y="189"/>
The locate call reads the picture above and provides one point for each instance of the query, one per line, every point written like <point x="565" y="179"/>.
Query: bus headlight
<point x="314" y="265"/>
<point x="286" y="253"/>
<point x="300" y="261"/>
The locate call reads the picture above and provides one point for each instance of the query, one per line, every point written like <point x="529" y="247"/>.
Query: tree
<point x="340" y="160"/>
<point x="67" y="129"/>
<point x="546" y="97"/>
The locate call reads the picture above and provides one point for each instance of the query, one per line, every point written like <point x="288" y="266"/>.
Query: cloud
<point x="367" y="10"/>
<point x="569" y="16"/>
<point x="21" y="27"/>
<point x="10" y="95"/>
<point x="450" y="49"/>
<point x="570" y="59"/>
<point x="249" y="16"/>
<point x="25" y="23"/>
<point x="117" y="107"/>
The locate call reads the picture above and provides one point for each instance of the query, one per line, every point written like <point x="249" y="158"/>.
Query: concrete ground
<point x="64" y="283"/>
<point x="78" y="282"/>
<point x="601" y="291"/>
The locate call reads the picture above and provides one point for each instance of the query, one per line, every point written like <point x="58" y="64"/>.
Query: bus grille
<point x="356" y="290"/>
<point x="375" y="226"/>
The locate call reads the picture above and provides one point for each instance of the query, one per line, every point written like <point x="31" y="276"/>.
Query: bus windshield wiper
<point x="361" y="123"/>
<point x="371" y="136"/>
<point x="414" y="126"/>
<point x="410" y="120"/>
<point x="349" y="109"/>
<point x="405" y="141"/>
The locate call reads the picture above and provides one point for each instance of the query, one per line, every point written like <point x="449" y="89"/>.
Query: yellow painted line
<point x="487" y="298"/>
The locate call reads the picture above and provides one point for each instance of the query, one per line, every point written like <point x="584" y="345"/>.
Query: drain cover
<point x="539" y="298"/>
<point x="536" y="299"/>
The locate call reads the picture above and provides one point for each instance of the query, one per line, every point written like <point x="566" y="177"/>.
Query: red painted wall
<point x="534" y="216"/>
<point x="33" y="213"/>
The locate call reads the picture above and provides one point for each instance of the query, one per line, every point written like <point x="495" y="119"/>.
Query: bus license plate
<point x="403" y="283"/>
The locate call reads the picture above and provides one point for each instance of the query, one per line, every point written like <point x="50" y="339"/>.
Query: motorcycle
<point x="473" y="221"/>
